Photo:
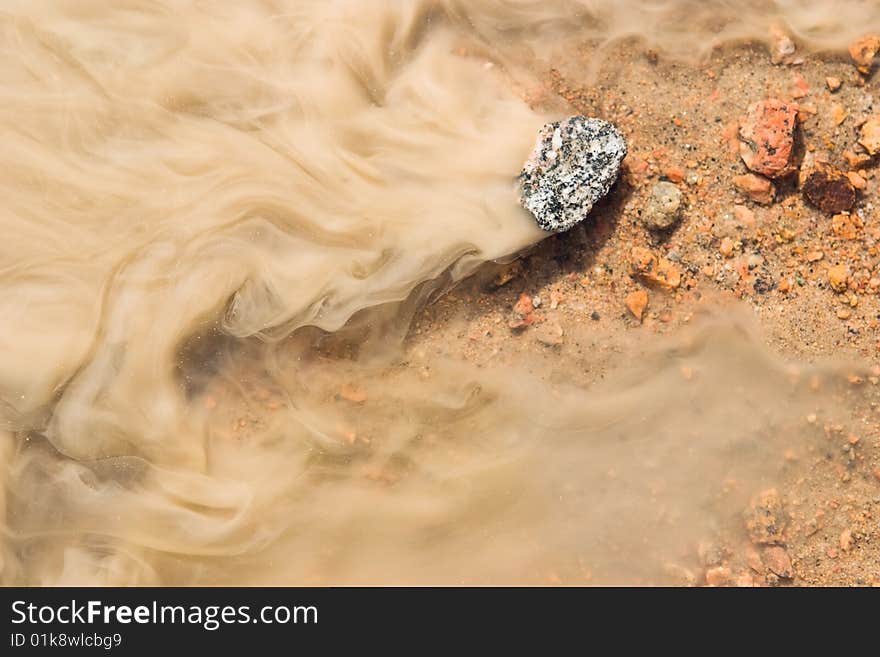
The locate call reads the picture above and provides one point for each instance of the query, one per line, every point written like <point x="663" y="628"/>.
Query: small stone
<point x="781" y="47"/>
<point x="636" y="302"/>
<point x="857" y="181"/>
<point x="806" y="111"/>
<point x="863" y="51"/>
<point x="869" y="137"/>
<point x="809" y="163"/>
<point x="523" y="314"/>
<point x="833" y="83"/>
<point x="837" y="277"/>
<point x="641" y="259"/>
<point x="765" y="518"/>
<point x="667" y="275"/>
<point x="767" y="135"/>
<point x="523" y="305"/>
<point x="843" y="313"/>
<point x="506" y="274"/>
<point x="857" y="160"/>
<point x="726" y="247"/>
<point x="800" y="88"/>
<point x="845" y="540"/>
<point x="658" y="271"/>
<point x="758" y="189"/>
<point x="778" y="562"/>
<point x="674" y="174"/>
<point x="574" y="163"/>
<point x="549" y="335"/>
<point x="838" y="114"/>
<point x="829" y="189"/>
<point x="843" y="225"/>
<point x="663" y="209"/>
<point x="718" y="576"/>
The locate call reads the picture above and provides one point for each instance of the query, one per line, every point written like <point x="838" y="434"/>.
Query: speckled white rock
<point x="574" y="163"/>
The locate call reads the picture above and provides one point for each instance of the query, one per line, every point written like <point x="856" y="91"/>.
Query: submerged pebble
<point x="574" y="164"/>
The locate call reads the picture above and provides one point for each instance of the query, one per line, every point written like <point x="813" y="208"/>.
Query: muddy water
<point x="239" y="192"/>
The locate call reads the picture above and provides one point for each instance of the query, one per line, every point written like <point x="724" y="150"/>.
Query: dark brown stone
<point x="829" y="189"/>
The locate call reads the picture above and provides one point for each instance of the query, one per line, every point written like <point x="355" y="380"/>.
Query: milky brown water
<point x="188" y="185"/>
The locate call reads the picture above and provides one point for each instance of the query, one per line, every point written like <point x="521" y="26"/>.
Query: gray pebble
<point x="574" y="163"/>
<point x="663" y="209"/>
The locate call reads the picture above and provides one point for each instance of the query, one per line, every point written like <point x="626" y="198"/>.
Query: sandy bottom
<point x="680" y="123"/>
